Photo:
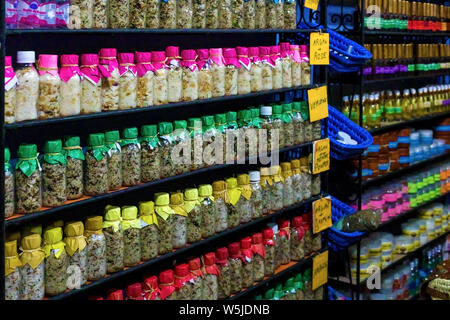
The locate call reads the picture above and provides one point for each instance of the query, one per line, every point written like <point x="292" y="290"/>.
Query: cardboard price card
<point x="318" y="103"/>
<point x="321" y="156"/>
<point x="319" y="52"/>
<point x="320" y="270"/>
<point x="312" y="4"/>
<point x="321" y="214"/>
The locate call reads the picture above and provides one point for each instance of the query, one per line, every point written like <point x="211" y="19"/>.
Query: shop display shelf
<point x="20" y="219"/>
<point x="412" y="168"/>
<point x="409" y="123"/>
<point x="46" y="32"/>
<point x="396" y="261"/>
<point x="206" y="244"/>
<point x="408" y="33"/>
<point x="148" y="111"/>
<point x="408" y="77"/>
<point x="278" y="274"/>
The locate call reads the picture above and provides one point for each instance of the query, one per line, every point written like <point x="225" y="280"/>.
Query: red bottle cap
<point x="222" y="255"/>
<point x="257" y="238"/>
<point x="194" y="264"/>
<point x="134" y="290"/>
<point x="297" y="222"/>
<point x="268" y="233"/>
<point x="209" y="259"/>
<point x="234" y="248"/>
<point x="115" y="295"/>
<point x="246" y="243"/>
<point x="182" y="270"/>
<point x="166" y="277"/>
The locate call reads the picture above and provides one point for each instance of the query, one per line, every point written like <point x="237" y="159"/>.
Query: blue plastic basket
<point x="336" y="295"/>
<point x="338" y="67"/>
<point x="346" y="51"/>
<point x="338" y="240"/>
<point x="337" y="121"/>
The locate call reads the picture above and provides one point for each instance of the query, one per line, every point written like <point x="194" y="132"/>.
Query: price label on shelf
<point x="320" y="270"/>
<point x="321" y="156"/>
<point x="312" y="4"/>
<point x="319" y="48"/>
<point x="318" y="103"/>
<point x="321" y="214"/>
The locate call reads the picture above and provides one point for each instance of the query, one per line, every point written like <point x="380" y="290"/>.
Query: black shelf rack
<point x="205" y="244"/>
<point x="82" y="41"/>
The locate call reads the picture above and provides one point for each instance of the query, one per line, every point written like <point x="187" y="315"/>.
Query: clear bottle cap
<point x="266" y="111"/>
<point x="254" y="176"/>
<point x="26" y="57"/>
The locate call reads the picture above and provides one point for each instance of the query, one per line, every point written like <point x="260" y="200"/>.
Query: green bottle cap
<point x="96" y="140"/>
<point x="150" y="130"/>
<point x="112" y="136"/>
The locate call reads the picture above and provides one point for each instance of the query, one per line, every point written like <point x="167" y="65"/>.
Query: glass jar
<point x="249" y="14"/>
<point x="96" y="168"/>
<point x="306" y="67"/>
<point x="277" y="71"/>
<point x="256" y="83"/>
<point x="197" y="277"/>
<point x="127" y="81"/>
<point x="244" y="78"/>
<point x="99" y="14"/>
<point x="12" y="271"/>
<point x="218" y="72"/>
<point x="298" y="124"/>
<point x="137" y="14"/>
<point x="244" y="205"/>
<point x="81" y="11"/>
<point x="70" y="93"/>
<point x="220" y="202"/>
<point x="53" y="174"/>
<point x="211" y="274"/>
<point x="266" y="68"/>
<point x="76" y="248"/>
<point x="131" y="157"/>
<point x="304" y="110"/>
<point x="91" y="86"/>
<point x="224" y="281"/>
<point x="119" y="14"/>
<point x="296" y="66"/>
<point x="131" y="227"/>
<point x="166" y="284"/>
<point x="288" y="125"/>
<point x="280" y="13"/>
<point x="160" y="86"/>
<point x="183" y="283"/>
<point x="27" y="90"/>
<point x="164" y="217"/>
<point x="231" y="131"/>
<point x="234" y="196"/>
<point x="144" y="94"/>
<point x="290" y="14"/>
<point x="95" y="249"/>
<point x="199" y="14"/>
<point x="204" y="78"/>
<point x="114" y="156"/>
<point x="28" y="180"/>
<point x="56" y="262"/>
<point x="306" y="177"/>
<point x="271" y="11"/>
<point x="236" y="266"/>
<point x="179" y="220"/>
<point x="269" y="247"/>
<point x="296" y="177"/>
<point x="184" y="14"/>
<point x="256" y="199"/>
<point x="190" y="75"/>
<point x="232" y="66"/>
<point x="150" y="154"/>
<point x="10" y="91"/>
<point x="247" y="265"/>
<point x="266" y="183"/>
<point x="207" y="209"/>
<point x="149" y="230"/>
<point x="181" y="141"/>
<point x="9" y="185"/>
<point x="220" y="122"/>
<point x="196" y="135"/>
<point x="112" y="229"/>
<point x="286" y="63"/>
<point x="152" y="14"/>
<point x="225" y="14"/>
<point x="49" y="87"/>
<point x="288" y="190"/>
<point x="167" y="143"/>
<point x="259" y="254"/>
<point x="210" y="135"/>
<point x="297" y="239"/>
<point x="285" y="242"/>
<point x="168" y="14"/>
<point x="247" y="135"/>
<point x="212" y="14"/>
<point x="260" y="14"/>
<point x="315" y="184"/>
<point x="174" y="75"/>
<point x="238" y="14"/>
<point x="33" y="268"/>
<point x="267" y="125"/>
<point x="276" y="189"/>
<point x="109" y="69"/>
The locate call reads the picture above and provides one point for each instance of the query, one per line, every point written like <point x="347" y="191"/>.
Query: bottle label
<point x="11" y="12"/>
<point x="28" y="13"/>
<point x="62" y="13"/>
<point x="47" y="14"/>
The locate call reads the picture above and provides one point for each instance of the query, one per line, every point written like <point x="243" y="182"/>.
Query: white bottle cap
<point x="254" y="176"/>
<point x="266" y="111"/>
<point x="274" y="227"/>
<point x="26" y="57"/>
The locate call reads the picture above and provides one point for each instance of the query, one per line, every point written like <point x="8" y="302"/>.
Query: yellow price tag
<point x="321" y="156"/>
<point x="321" y="214"/>
<point x="312" y="4"/>
<point x="320" y="270"/>
<point x="318" y="103"/>
<point x="319" y="44"/>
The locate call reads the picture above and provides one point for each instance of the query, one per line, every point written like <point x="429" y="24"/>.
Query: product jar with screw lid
<point x="109" y="69"/>
<point x="70" y="75"/>
<point x="91" y="86"/>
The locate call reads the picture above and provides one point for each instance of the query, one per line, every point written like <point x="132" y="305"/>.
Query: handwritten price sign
<point x="312" y="4"/>
<point x="319" y="45"/>
<point x="321" y="215"/>
<point x="318" y="103"/>
<point x="321" y="156"/>
<point x="320" y="270"/>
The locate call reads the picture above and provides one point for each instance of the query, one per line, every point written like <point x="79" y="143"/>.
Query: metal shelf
<point x="395" y="174"/>
<point x="46" y="32"/>
<point x="207" y="243"/>
<point x="151" y="109"/>
<point x="409" y="123"/>
<point x="279" y="273"/>
<point x="407" y="77"/>
<point x="19" y="219"/>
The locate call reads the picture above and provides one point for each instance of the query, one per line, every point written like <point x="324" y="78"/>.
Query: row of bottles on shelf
<point x="391" y="58"/>
<point x="381" y="108"/>
<point x="401" y="15"/>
